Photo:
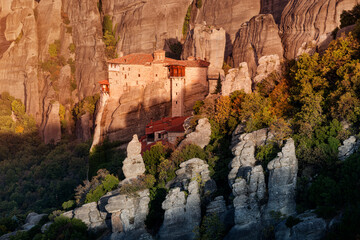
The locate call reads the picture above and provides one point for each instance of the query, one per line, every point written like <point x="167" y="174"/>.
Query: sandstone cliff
<point x="304" y="24"/>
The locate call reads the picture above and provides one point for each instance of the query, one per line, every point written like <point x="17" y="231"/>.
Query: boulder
<point x="309" y="227"/>
<point x="267" y="65"/>
<point x="201" y="135"/>
<point x="237" y="79"/>
<point x="133" y="165"/>
<point x="349" y="146"/>
<point x="32" y="220"/>
<point x="90" y="215"/>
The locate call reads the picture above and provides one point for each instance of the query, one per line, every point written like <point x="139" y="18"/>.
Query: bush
<point x="64" y="228"/>
<point x="266" y="153"/>
<point x="186" y="22"/>
<point x="211" y="228"/>
<point x="68" y="205"/>
<point x="187" y="152"/>
<point x="109" y="183"/>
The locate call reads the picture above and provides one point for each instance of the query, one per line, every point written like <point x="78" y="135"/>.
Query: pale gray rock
<point x="133" y="165"/>
<point x="249" y="190"/>
<point x="237" y="79"/>
<point x="183" y="204"/>
<point x="349" y="146"/>
<point x="257" y="38"/>
<point x="46" y="226"/>
<point x="31" y="220"/>
<point x="90" y="215"/>
<point x="244" y="151"/>
<point x="310" y="227"/>
<point x="282" y="182"/>
<point x="201" y="135"/>
<point x="128" y="214"/>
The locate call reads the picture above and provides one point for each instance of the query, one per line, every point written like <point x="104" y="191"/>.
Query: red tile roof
<point x="168" y="124"/>
<point x="142" y="59"/>
<point x="104" y="82"/>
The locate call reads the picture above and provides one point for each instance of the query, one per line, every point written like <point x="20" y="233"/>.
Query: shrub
<point x="187" y="152"/>
<point x="54" y="49"/>
<point x="186" y="22"/>
<point x="64" y="228"/>
<point x="109" y="183"/>
<point x="198" y="3"/>
<point x="266" y="153"/>
<point x="68" y="205"/>
<point x="152" y="157"/>
<point x="211" y="228"/>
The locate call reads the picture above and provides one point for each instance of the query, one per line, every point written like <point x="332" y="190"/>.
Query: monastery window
<point x="176" y="94"/>
<point x="176" y="84"/>
<point x="159" y="135"/>
<point x="138" y="75"/>
<point x="123" y="68"/>
<point x="176" y="102"/>
<point x="125" y="76"/>
<point x="129" y="69"/>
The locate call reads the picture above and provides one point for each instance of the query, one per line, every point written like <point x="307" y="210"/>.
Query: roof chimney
<point x="159" y="55"/>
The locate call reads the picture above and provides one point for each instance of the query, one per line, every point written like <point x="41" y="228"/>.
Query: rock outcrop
<point x="201" y="135"/>
<point x="90" y="215"/>
<point x="282" y="182"/>
<point x="128" y="214"/>
<point x="207" y="42"/>
<point x="257" y="38"/>
<point x="256" y="202"/>
<point x="133" y="165"/>
<point x="309" y="227"/>
<point x="244" y="151"/>
<point x="349" y="146"/>
<point x="183" y="204"/>
<point x="249" y="191"/>
<point x="237" y="79"/>
<point x="228" y="15"/>
<point x="32" y="219"/>
<point x="306" y="24"/>
<point x="123" y="214"/>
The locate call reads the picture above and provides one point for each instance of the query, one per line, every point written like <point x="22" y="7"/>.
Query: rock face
<point x="201" y="136"/>
<point x="244" y="151"/>
<point x="182" y="204"/>
<point x="349" y="146"/>
<point x="228" y="15"/>
<point x="310" y="227"/>
<point x="52" y="129"/>
<point x="90" y="215"/>
<point x="282" y="182"/>
<point x="31" y="220"/>
<point x="257" y="38"/>
<point x="237" y="79"/>
<point x="123" y="214"/>
<point x="305" y="24"/>
<point x="146" y="25"/>
<point x="27" y="30"/>
<point x="274" y="7"/>
<point x="128" y="214"/>
<point x="249" y="190"/>
<point x="133" y="165"/>
<point x="207" y="43"/>
<point x="267" y="65"/>
<point x="255" y="202"/>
